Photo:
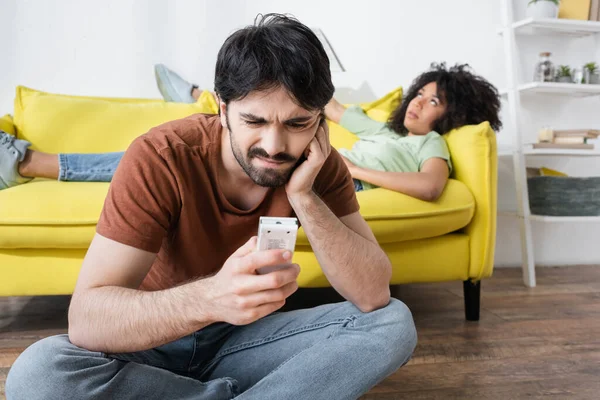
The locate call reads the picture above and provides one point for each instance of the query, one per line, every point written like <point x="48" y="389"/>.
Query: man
<point x="168" y="304"/>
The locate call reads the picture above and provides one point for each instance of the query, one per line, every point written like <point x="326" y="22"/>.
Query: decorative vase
<point x="542" y="9"/>
<point x="564" y="79"/>
<point x="544" y="70"/>
<point x="590" y="78"/>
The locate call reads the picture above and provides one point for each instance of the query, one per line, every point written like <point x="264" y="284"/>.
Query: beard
<point x="266" y="177"/>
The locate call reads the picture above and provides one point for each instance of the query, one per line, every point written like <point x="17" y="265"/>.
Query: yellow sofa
<point x="46" y="226"/>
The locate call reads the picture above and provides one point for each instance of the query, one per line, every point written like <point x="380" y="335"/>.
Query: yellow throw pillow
<point x="551" y="172"/>
<point x="379" y="110"/>
<point x="58" y="123"/>
<point x="7" y="125"/>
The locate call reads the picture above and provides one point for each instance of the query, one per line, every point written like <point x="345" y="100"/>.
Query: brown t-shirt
<point x="165" y="198"/>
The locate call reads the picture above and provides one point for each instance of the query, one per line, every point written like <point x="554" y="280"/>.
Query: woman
<point x="407" y="154"/>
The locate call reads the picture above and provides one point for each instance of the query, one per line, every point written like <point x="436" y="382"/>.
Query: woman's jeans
<point x="88" y="167"/>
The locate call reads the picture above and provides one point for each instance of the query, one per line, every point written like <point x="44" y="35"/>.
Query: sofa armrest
<point x="7" y="125"/>
<point x="474" y="157"/>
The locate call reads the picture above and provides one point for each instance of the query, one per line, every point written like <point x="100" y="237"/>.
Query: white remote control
<point x="276" y="233"/>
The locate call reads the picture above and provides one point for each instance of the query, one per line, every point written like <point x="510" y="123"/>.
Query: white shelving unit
<point x="512" y="94"/>
<point x="530" y="151"/>
<point x="553" y="27"/>
<point x="559" y="89"/>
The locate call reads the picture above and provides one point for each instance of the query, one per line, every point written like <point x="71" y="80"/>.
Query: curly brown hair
<point x="470" y="99"/>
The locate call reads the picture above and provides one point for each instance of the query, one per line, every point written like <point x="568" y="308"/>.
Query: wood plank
<point x="3" y="374"/>
<point x="415" y="378"/>
<point x="8" y="356"/>
<point x="560" y="388"/>
<point x="461" y="351"/>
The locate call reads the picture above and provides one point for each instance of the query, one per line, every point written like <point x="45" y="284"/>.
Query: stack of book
<point x="594" y="11"/>
<point x="570" y="139"/>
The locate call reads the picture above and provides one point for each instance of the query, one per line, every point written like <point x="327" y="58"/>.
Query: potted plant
<point x="564" y="74"/>
<point x="543" y="8"/>
<point x="591" y="74"/>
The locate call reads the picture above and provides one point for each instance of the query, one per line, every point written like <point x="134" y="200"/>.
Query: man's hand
<point x="239" y="296"/>
<point x="303" y="178"/>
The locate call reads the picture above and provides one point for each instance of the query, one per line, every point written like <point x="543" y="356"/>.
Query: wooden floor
<point x="530" y="343"/>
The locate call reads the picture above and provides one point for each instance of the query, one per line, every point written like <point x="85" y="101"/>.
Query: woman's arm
<point x="334" y="111"/>
<point x="427" y="184"/>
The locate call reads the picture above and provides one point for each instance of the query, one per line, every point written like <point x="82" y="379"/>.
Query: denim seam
<point x="150" y="363"/>
<point x="351" y="319"/>
<point x="62" y="167"/>
<point x="189" y="368"/>
<point x="276" y="337"/>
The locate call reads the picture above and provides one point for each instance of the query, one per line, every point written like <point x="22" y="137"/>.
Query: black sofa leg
<point x="472" y="293"/>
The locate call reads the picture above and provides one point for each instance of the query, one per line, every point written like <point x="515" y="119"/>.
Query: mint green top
<point x="382" y="149"/>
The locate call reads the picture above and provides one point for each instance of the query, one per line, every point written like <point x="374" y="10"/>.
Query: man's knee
<point x="396" y="329"/>
<point x="38" y="369"/>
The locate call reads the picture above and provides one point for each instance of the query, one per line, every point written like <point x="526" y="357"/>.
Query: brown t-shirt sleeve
<point x="143" y="200"/>
<point x="335" y="186"/>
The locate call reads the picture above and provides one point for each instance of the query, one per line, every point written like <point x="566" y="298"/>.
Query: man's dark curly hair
<point x="470" y="99"/>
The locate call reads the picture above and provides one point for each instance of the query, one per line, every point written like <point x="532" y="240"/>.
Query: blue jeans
<point x="88" y="167"/>
<point x="358" y="186"/>
<point x="329" y="352"/>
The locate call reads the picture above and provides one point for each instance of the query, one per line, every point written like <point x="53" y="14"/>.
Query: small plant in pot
<point x="543" y="8"/>
<point x="564" y="74"/>
<point x="591" y="73"/>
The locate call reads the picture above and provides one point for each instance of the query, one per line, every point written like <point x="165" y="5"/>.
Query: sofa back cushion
<point x="57" y="123"/>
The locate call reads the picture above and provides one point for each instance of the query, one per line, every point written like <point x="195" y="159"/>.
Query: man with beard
<point x="168" y="304"/>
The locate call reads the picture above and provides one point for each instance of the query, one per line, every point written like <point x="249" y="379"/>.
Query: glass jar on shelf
<point x="578" y="75"/>
<point x="544" y="69"/>
<point x="545" y="134"/>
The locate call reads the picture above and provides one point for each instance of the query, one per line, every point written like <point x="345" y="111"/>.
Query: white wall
<point x="108" y="48"/>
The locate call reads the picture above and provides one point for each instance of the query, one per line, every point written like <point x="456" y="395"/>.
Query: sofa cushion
<point x="395" y="217"/>
<point x="49" y="214"/>
<point x="442" y="258"/>
<point x="56" y="123"/>
<point x="30" y="272"/>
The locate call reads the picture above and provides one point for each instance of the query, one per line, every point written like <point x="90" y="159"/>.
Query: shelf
<point x="555" y="88"/>
<point x="548" y="218"/>
<point x="565" y="89"/>
<point x="530" y="151"/>
<point x="555" y="26"/>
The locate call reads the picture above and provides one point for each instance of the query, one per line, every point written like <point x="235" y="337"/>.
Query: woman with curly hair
<point x="407" y="154"/>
